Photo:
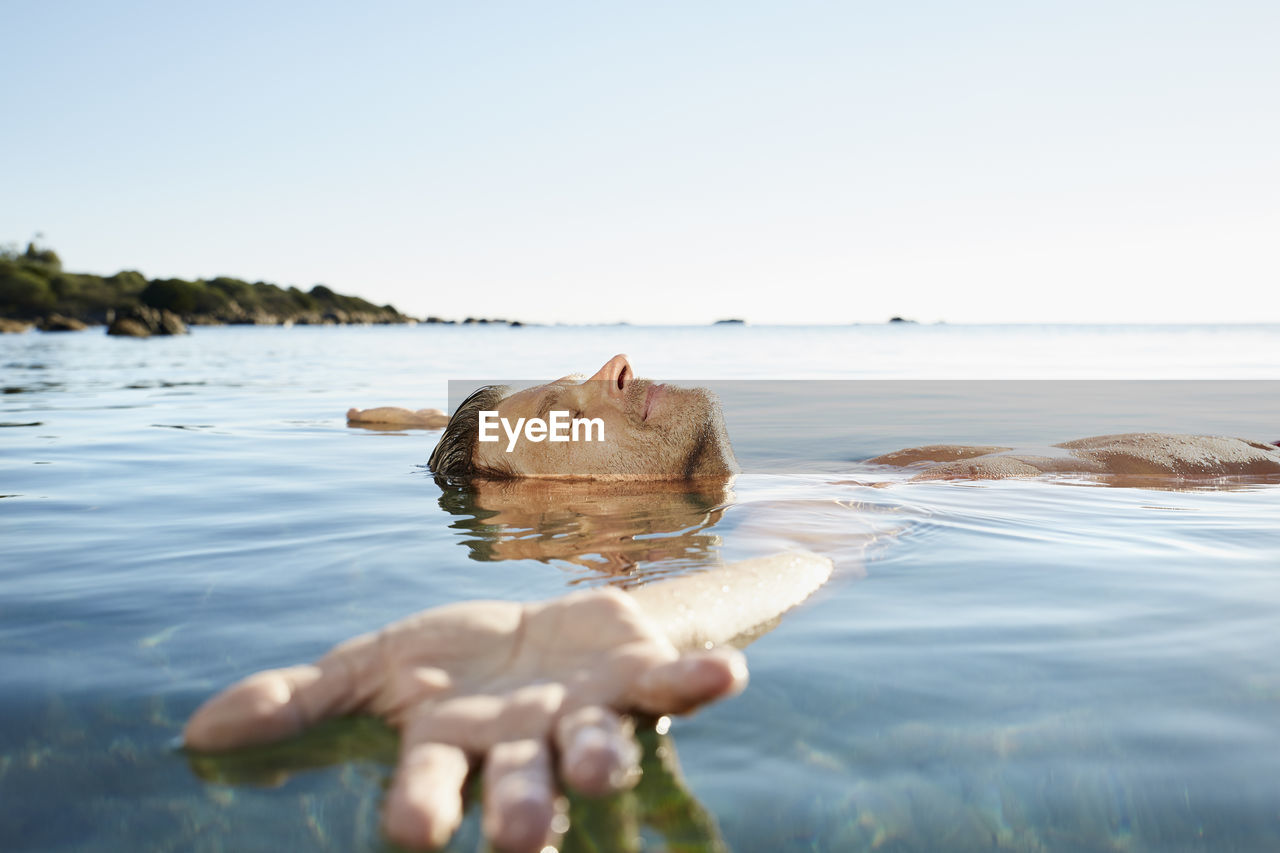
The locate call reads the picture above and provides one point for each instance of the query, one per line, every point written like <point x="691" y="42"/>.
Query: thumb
<point x="693" y="679"/>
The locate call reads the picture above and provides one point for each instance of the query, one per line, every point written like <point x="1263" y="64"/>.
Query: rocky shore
<point x="35" y="292"/>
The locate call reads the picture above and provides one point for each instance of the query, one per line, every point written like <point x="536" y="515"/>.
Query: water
<point x="1015" y="665"/>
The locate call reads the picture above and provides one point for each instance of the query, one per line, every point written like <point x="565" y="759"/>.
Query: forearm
<point x="733" y="601"/>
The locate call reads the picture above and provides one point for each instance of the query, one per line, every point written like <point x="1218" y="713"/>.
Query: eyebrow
<point x="549" y="399"/>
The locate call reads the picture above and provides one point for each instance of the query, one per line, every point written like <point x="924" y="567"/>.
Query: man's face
<point x="651" y="431"/>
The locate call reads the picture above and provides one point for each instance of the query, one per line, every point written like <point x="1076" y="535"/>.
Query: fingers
<point x="378" y="415"/>
<point x="431" y="418"/>
<point x="520" y="805"/>
<point x="270" y="706"/>
<point x="424" y="807"/>
<point x="692" y="680"/>
<point x="598" y="752"/>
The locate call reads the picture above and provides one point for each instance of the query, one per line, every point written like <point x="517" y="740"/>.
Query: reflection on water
<point x="1034" y="666"/>
<point x="630" y="531"/>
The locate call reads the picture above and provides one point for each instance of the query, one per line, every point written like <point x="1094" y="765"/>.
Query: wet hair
<point x="453" y="460"/>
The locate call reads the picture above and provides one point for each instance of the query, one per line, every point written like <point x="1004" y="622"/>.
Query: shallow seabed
<point x="1014" y="666"/>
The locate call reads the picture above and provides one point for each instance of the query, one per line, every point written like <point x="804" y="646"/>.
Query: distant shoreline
<point x="36" y="292"/>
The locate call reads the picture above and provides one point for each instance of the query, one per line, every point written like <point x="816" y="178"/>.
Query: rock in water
<point x="58" y="323"/>
<point x="142" y="322"/>
<point x="171" y="324"/>
<point x="128" y="327"/>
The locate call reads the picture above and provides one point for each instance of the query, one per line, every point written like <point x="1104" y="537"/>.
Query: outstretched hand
<point x="502" y="683"/>
<point x="394" y="417"/>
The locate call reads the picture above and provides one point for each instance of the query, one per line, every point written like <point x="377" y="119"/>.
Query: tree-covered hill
<point x="34" y="288"/>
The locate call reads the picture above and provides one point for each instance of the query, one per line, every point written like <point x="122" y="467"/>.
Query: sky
<point x="663" y="162"/>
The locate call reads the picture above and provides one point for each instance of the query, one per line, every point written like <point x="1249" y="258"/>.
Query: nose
<point x="616" y="374"/>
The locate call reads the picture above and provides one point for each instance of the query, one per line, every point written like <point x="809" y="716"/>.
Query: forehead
<point x="535" y="399"/>
<point x="524" y="398"/>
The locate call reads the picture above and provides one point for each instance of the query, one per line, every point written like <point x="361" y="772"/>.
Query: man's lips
<point x="652" y="399"/>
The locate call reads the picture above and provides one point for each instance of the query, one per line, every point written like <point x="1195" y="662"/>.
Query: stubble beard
<point x="687" y="439"/>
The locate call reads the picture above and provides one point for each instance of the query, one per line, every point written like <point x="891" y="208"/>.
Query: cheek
<point x="592" y="457"/>
<point x="625" y="450"/>
<point x="644" y="452"/>
<point x="540" y="458"/>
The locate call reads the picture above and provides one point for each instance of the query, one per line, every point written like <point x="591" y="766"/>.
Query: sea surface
<point x="1050" y="665"/>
